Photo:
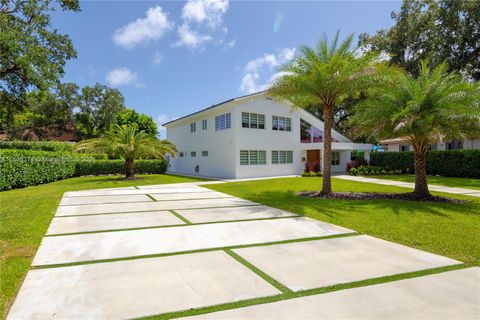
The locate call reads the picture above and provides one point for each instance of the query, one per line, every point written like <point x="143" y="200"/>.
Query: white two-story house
<point x="253" y="136"/>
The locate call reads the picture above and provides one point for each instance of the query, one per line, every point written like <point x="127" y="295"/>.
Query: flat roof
<point x="214" y="106"/>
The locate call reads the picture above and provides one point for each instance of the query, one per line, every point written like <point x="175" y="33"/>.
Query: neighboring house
<point x="253" y="136"/>
<point x="401" y="144"/>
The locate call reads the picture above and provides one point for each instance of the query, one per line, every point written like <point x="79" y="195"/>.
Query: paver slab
<point x="341" y="260"/>
<point x="235" y="213"/>
<point x="189" y="196"/>
<point x="88" y="193"/>
<point x="448" y="295"/>
<point x="60" y="225"/>
<point x="104" y="199"/>
<point x="136" y="288"/>
<point x="120" y="244"/>
<point x="150" y="206"/>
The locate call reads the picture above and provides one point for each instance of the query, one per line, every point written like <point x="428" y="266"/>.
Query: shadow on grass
<point x="288" y="200"/>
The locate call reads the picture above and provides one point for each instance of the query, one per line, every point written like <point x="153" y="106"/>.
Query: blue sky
<point x="171" y="58"/>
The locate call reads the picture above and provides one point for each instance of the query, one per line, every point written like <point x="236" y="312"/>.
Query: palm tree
<point x="424" y="110"/>
<point x="325" y="76"/>
<point x="130" y="144"/>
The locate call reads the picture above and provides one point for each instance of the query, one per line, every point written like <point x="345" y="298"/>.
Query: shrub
<point x="22" y="168"/>
<point x="107" y="167"/>
<point x="37" y="145"/>
<point x="311" y="174"/>
<point x="451" y="163"/>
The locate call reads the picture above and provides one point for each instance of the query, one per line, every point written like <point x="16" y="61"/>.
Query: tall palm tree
<point x="130" y="144"/>
<point x="325" y="76"/>
<point x="424" y="110"/>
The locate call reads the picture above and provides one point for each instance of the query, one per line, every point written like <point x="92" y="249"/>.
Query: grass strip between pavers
<point x="118" y="212"/>
<point x="179" y="216"/>
<point x="71" y="264"/>
<point x="259" y="272"/>
<point x="298" y="294"/>
<point x="187" y="223"/>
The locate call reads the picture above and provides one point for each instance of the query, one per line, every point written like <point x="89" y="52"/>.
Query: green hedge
<point x="452" y="163"/>
<point x="22" y="168"/>
<point x="105" y="167"/>
<point x="37" y="145"/>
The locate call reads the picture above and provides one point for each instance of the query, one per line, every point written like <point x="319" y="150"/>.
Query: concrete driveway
<point x="159" y="250"/>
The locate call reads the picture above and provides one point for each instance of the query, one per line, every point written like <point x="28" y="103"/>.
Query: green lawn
<point x="441" y="181"/>
<point x="452" y="230"/>
<point x="26" y="213"/>
<point x="447" y="229"/>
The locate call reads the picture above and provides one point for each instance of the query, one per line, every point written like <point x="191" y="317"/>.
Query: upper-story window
<point x="309" y="133"/>
<point x="281" y="123"/>
<point x="193" y="127"/>
<point x="223" y="121"/>
<point x="253" y="120"/>
<point x="204" y="124"/>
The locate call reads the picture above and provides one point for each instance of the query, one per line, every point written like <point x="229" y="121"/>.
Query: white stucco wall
<point x="467" y="144"/>
<point x="224" y="146"/>
<point x="219" y="144"/>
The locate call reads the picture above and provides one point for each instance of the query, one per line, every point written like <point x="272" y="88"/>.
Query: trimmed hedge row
<point x="451" y="163"/>
<point x="22" y="168"/>
<point x="37" y="145"/>
<point x="105" y="167"/>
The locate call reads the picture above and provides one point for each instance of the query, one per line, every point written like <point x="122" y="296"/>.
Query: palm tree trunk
<point x="421" y="186"/>
<point x="327" y="150"/>
<point x="129" y="169"/>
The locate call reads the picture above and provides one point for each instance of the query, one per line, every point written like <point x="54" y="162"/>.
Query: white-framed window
<point x="204" y="153"/>
<point x="281" y="123"/>
<point x="253" y="157"/>
<point x="223" y="121"/>
<point x="454" y="145"/>
<point x="335" y="158"/>
<point x="193" y="154"/>
<point x="404" y="147"/>
<point x="180" y="154"/>
<point x="193" y="127"/>
<point x="253" y="120"/>
<point x="204" y="124"/>
<point x="282" y="157"/>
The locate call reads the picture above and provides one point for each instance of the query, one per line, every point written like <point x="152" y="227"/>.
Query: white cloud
<point x="150" y="28"/>
<point x="122" y="76"/>
<point x="190" y="38"/>
<point x="205" y="11"/>
<point x="261" y="68"/>
<point x="202" y="22"/>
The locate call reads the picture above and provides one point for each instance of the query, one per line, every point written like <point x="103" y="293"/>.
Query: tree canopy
<point x="130" y="117"/>
<point x="440" y="30"/>
<point x="32" y="52"/>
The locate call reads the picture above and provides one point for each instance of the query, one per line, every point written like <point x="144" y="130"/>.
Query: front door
<point x="313" y="160"/>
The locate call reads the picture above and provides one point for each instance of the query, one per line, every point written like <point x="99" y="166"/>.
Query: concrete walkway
<point x="136" y="252"/>
<point x="432" y="187"/>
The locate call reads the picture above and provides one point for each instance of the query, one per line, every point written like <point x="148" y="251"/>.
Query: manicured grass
<point x="26" y="213"/>
<point x="451" y="230"/>
<point x="468" y="183"/>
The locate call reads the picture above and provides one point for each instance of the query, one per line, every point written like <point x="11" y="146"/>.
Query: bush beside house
<point x="451" y="163"/>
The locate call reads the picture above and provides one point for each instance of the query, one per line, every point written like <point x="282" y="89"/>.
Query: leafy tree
<point x="325" y="76"/>
<point x="32" y="53"/>
<point x="130" y="144"/>
<point x="441" y="30"/>
<point x="97" y="108"/>
<point x="424" y="110"/>
<point x="132" y="117"/>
